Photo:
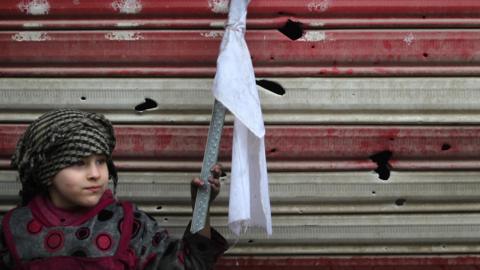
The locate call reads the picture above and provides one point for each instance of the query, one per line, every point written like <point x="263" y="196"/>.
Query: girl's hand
<point x="213" y="180"/>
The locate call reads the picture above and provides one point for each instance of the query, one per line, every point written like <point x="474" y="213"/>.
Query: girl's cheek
<point x="70" y="185"/>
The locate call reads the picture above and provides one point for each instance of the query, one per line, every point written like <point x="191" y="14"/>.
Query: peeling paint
<point x="314" y="36"/>
<point x="30" y="36"/>
<point x="123" y="35"/>
<point x="127" y="6"/>
<point x="76" y="2"/>
<point x="34" y="7"/>
<point x="127" y="24"/>
<point x="218" y="6"/>
<point x="318" y="6"/>
<point x="212" y="34"/>
<point x="32" y="25"/>
<point x="409" y="38"/>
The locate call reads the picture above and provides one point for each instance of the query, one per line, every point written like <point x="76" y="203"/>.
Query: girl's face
<point x="80" y="185"/>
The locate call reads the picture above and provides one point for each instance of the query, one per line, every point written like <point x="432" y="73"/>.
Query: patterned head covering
<point x="59" y="139"/>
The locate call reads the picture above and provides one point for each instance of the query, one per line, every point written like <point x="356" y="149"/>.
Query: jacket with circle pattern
<point x="112" y="235"/>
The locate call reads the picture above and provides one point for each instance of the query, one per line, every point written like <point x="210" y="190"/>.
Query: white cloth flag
<point x="234" y="86"/>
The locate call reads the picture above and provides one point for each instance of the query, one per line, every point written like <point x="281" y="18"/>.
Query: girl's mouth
<point x="94" y="188"/>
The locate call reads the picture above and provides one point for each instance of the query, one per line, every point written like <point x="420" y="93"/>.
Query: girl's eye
<point x="101" y="161"/>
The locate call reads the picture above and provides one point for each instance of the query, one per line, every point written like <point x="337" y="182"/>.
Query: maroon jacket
<point x="112" y="235"/>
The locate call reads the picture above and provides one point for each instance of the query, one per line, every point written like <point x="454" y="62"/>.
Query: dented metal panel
<point x="359" y="234"/>
<point x="348" y="218"/>
<point x="193" y="53"/>
<point x="212" y="13"/>
<point x="462" y="262"/>
<point x="418" y="100"/>
<point x="297" y="148"/>
<point x="295" y="193"/>
<point x="382" y="161"/>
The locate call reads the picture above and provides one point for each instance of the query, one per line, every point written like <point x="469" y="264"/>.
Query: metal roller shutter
<point x="372" y="152"/>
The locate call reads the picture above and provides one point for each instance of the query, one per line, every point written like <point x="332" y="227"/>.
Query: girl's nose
<point x="93" y="172"/>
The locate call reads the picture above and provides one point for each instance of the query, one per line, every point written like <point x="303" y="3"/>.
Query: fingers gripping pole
<point x="209" y="159"/>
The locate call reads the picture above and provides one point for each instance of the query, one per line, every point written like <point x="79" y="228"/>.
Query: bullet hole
<point x="400" y="202"/>
<point x="149" y="104"/>
<point x="272" y="58"/>
<point x="424" y="17"/>
<point x="165" y="219"/>
<point x="391" y="139"/>
<point x="272" y="86"/>
<point x="293" y="30"/>
<point x="273" y="150"/>
<point x="159" y="207"/>
<point x="83" y="98"/>
<point x="384" y="167"/>
<point x="313" y="46"/>
<point x="425" y="55"/>
<point x="445" y="146"/>
<point x="250" y="241"/>
<point x="374" y="192"/>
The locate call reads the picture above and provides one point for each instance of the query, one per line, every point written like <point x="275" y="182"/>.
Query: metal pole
<point x="210" y="157"/>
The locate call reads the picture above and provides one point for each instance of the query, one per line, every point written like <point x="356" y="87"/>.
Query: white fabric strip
<point x="234" y="86"/>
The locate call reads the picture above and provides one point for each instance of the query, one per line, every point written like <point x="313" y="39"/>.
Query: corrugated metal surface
<point x="165" y="14"/>
<point x="294" y="148"/>
<point x="193" y="53"/>
<point x="354" y="263"/>
<point x="366" y="78"/>
<point x="354" y="213"/>
<point x="416" y="100"/>
<point x="312" y="192"/>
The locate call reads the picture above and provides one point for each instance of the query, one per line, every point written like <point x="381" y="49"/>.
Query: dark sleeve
<point x="157" y="250"/>
<point x="5" y="259"/>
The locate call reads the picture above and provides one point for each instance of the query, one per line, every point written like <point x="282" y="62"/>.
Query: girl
<point x="69" y="219"/>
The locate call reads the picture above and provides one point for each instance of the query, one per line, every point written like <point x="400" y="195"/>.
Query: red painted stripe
<point x="194" y="53"/>
<point x="264" y="8"/>
<point x="350" y="263"/>
<point x="253" y="23"/>
<point x="262" y="13"/>
<point x="306" y="148"/>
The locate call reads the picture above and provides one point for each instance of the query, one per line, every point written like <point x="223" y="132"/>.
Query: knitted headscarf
<point x="59" y="139"/>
